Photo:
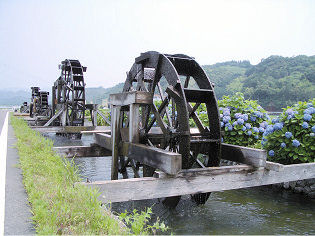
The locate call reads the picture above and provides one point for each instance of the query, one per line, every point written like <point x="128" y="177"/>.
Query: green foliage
<point x="58" y="205"/>
<point x="242" y="121"/>
<point x="138" y="222"/>
<point x="295" y="141"/>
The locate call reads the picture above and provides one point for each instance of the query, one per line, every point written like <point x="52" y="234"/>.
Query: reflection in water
<point x="260" y="210"/>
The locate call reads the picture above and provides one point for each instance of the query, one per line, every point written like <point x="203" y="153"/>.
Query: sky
<point x="107" y="35"/>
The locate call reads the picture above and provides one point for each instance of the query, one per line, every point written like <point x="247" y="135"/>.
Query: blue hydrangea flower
<point x="289" y="117"/>
<point x="289" y="112"/>
<point x="253" y="118"/>
<point x="222" y="124"/>
<point x="240" y="121"/>
<point x="243" y="128"/>
<point x="295" y="143"/>
<point x="263" y="124"/>
<point x="312" y="134"/>
<point x="305" y="125"/>
<point x="271" y="153"/>
<point x="288" y="134"/>
<point x="229" y="126"/>
<point x="245" y="117"/>
<point x="309" y="104"/>
<point x="262" y="142"/>
<point x="313" y="129"/>
<point x="261" y="129"/>
<point x="234" y="123"/>
<point x="248" y="125"/>
<point x="256" y="137"/>
<point x="226" y="112"/>
<point x="269" y="129"/>
<point x="275" y="120"/>
<point x="309" y="110"/>
<point x="237" y="115"/>
<point x="307" y="117"/>
<point x="264" y="139"/>
<point x="283" y="145"/>
<point x="222" y="140"/>
<point x="226" y="119"/>
<point x="256" y="130"/>
<point x="249" y="133"/>
<point x="278" y="126"/>
<point x="221" y="116"/>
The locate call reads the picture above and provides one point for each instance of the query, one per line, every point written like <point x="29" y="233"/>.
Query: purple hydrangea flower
<point x="249" y="133"/>
<point x="307" y="117"/>
<point x="256" y="137"/>
<point x="261" y="129"/>
<point x="283" y="145"/>
<point x="295" y="143"/>
<point x="288" y="134"/>
<point x="253" y="118"/>
<point x="271" y="153"/>
<point x="243" y="128"/>
<point x="313" y="129"/>
<point x="226" y="112"/>
<point x="234" y="123"/>
<point x="305" y="125"/>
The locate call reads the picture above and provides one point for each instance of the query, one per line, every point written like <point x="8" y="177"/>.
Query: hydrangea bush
<point x="291" y="137"/>
<point x="243" y="121"/>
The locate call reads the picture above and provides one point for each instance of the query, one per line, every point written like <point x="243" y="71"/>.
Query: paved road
<point x="17" y="218"/>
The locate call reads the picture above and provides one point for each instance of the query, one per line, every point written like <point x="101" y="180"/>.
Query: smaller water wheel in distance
<point x="180" y="87"/>
<point x="72" y="92"/>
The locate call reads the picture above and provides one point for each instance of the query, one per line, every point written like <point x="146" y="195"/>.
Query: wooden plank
<point x="274" y="166"/>
<point x="103" y="140"/>
<point x="82" y="151"/>
<point x="127" y="98"/>
<point x="21" y="114"/>
<point x="250" y="156"/>
<point x="168" y="162"/>
<point x="70" y="129"/>
<point x="210" y="179"/>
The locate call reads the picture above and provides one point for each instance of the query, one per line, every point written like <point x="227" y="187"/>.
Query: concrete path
<point x="17" y="218"/>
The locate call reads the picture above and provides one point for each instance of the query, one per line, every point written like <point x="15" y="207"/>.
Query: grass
<point x="58" y="206"/>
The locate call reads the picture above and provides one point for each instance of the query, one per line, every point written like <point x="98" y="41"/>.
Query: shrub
<point x="291" y="137"/>
<point x="243" y="121"/>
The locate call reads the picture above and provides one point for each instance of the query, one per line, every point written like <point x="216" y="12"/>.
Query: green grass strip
<point x="58" y="206"/>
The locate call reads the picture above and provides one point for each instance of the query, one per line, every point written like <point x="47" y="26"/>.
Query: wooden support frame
<point x="82" y="151"/>
<point x="210" y="179"/>
<point x="72" y="129"/>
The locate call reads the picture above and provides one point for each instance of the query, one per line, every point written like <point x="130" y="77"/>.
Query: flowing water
<point x="260" y="210"/>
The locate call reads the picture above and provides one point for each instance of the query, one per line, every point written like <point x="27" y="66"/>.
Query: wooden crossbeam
<point x="203" y="180"/>
<point x="71" y="129"/>
<point x="134" y="97"/>
<point x="82" y="151"/>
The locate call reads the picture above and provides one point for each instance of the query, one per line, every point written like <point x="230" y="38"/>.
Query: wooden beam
<point x="70" y="129"/>
<point x="82" y="151"/>
<point x="210" y="179"/>
<point x="245" y="155"/>
<point x="198" y="95"/>
<point x="168" y="162"/>
<point x="127" y="98"/>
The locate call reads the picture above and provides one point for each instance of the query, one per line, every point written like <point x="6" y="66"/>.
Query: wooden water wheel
<point x="180" y="86"/>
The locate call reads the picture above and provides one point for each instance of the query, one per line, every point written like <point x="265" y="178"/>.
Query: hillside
<point x="275" y="82"/>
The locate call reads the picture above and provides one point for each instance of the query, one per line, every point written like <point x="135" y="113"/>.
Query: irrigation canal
<point x="260" y="210"/>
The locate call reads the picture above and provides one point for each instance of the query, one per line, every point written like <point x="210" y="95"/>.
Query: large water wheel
<point x="69" y="94"/>
<point x="180" y="86"/>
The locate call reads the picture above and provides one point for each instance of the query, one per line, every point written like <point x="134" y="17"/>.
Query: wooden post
<point x="134" y="123"/>
<point x="115" y="123"/>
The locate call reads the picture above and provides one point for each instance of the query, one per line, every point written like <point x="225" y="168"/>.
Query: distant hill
<point x="275" y="82"/>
